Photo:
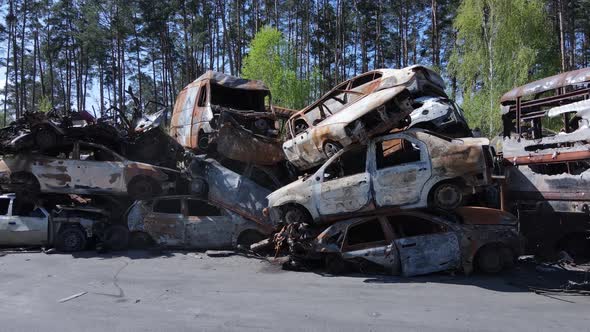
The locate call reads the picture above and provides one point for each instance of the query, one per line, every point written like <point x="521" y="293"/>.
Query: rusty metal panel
<point x="238" y="144"/>
<point x="547" y="84"/>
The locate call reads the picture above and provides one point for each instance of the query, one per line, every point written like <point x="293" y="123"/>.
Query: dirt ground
<point x="182" y="291"/>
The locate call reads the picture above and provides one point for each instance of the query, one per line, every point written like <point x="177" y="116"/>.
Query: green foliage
<point x="44" y="104"/>
<point x="499" y="44"/>
<point x="270" y="60"/>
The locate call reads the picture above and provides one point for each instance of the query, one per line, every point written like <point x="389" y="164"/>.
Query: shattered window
<point x="364" y="79"/>
<point x="168" y="206"/>
<point x="199" y="208"/>
<point x="366" y="232"/>
<point x="203" y="96"/>
<point x="4" y="204"/>
<point x="92" y="153"/>
<point x="408" y="226"/>
<point x="350" y="163"/>
<point x="238" y="99"/>
<point x="22" y="208"/>
<point x="261" y="177"/>
<point x="395" y="152"/>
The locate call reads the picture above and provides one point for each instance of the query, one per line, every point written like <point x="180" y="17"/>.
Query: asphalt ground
<point x="186" y="291"/>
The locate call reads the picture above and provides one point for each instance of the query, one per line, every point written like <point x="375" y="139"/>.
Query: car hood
<point x="286" y="189"/>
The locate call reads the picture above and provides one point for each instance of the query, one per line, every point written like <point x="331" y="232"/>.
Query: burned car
<point x="410" y="169"/>
<point x="190" y="222"/>
<point x="228" y="115"/>
<point x="355" y="110"/>
<point x="84" y="168"/>
<point x="234" y="185"/>
<point x="546" y="152"/>
<point x="24" y="223"/>
<point x="440" y="115"/>
<point x="410" y="243"/>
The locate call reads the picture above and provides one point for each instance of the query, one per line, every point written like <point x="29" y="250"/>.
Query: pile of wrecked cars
<point x="68" y="177"/>
<point x="387" y="164"/>
<point x="382" y="173"/>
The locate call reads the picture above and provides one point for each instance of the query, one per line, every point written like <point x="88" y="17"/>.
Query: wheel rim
<point x="448" y="196"/>
<point x="331" y="149"/>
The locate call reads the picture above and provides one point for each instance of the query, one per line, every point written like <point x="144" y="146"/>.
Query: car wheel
<point x="331" y="148"/>
<point x="296" y="215"/>
<point x="140" y="240"/>
<point x="335" y="264"/>
<point x="71" y="239"/>
<point x="447" y="196"/>
<point x="116" y="237"/>
<point x="489" y="259"/>
<point x="141" y="188"/>
<point x="508" y="258"/>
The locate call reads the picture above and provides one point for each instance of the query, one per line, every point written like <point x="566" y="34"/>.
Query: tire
<point x="508" y="259"/>
<point x="296" y="215"/>
<point x="331" y="148"/>
<point x="140" y="240"/>
<point x="143" y="187"/>
<point x="335" y="264"/>
<point x="447" y="196"/>
<point x="70" y="239"/>
<point x="489" y="259"/>
<point x="116" y="237"/>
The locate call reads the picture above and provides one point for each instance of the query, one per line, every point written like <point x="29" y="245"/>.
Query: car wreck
<point x="139" y="138"/>
<point x="411" y="243"/>
<point x="357" y="109"/>
<point x="410" y="169"/>
<point x="68" y="228"/>
<point x="84" y="168"/>
<point x="189" y="222"/>
<point x="228" y="115"/>
<point x="440" y="115"/>
<point x="545" y="150"/>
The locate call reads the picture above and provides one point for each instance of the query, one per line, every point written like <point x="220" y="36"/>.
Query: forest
<point x="83" y="54"/>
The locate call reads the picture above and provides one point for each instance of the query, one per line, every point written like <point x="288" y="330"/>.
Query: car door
<point x="101" y="171"/>
<point x="207" y="226"/>
<point x="25" y="224"/>
<point x="165" y="222"/>
<point x="344" y="183"/>
<point x="401" y="167"/>
<point x="58" y="174"/>
<point x="367" y="241"/>
<point x="424" y="246"/>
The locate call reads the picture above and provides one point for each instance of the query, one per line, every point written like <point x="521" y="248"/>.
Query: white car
<point x="410" y="169"/>
<point x="23" y="223"/>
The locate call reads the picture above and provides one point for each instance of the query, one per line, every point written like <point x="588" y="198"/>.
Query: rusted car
<point x="410" y="243"/>
<point x="84" y="168"/>
<point x="546" y="152"/>
<point x="228" y="115"/>
<point x="190" y="222"/>
<point x="24" y="223"/>
<point x="241" y="187"/>
<point x="410" y="169"/>
<point x="355" y="110"/>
